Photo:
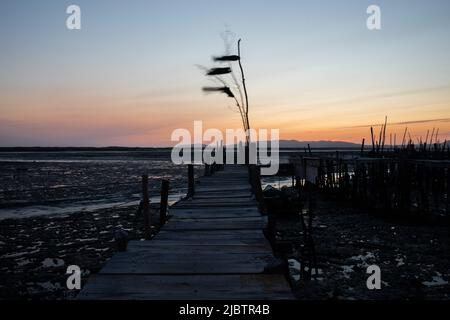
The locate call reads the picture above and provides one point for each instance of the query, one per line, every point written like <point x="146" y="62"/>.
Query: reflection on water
<point x="276" y="182"/>
<point x="81" y="206"/>
<point x="37" y="183"/>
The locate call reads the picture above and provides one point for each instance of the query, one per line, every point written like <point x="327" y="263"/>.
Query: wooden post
<point x="271" y="227"/>
<point x="338" y="171"/>
<point x="255" y="178"/>
<point x="207" y="170"/>
<point x="447" y="206"/>
<point x="146" y="207"/>
<point x="373" y="140"/>
<point x="247" y="153"/>
<point x="298" y="183"/>
<point x="224" y="156"/>
<point x="191" y="181"/>
<point x="164" y="202"/>
<point x="293" y="175"/>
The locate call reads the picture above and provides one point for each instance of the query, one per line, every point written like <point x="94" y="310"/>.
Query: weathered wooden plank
<point x="212" y="235"/>
<point x="237" y="186"/>
<point x="161" y="246"/>
<point x="218" y="188"/>
<point x="205" y="219"/>
<point x="238" y="183"/>
<point x="229" y="177"/>
<point x="174" y="210"/>
<point x="222" y="186"/>
<point x="218" y="199"/>
<point x="227" y="195"/>
<point x="228" y="180"/>
<point x="217" y="220"/>
<point x="212" y="214"/>
<point x="201" y="204"/>
<point x="217" y="202"/>
<point x="188" y="287"/>
<point x="210" y="242"/>
<point x="256" y="223"/>
<point x="226" y="176"/>
<point x="186" y="262"/>
<point x="239" y="202"/>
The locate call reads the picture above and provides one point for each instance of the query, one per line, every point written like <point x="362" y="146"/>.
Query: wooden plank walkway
<point x="212" y="248"/>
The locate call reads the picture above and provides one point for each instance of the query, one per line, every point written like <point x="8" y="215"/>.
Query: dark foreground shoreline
<point x="414" y="258"/>
<point x="35" y="252"/>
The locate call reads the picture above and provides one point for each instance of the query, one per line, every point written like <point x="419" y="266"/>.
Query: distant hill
<point x="292" y="144"/>
<point x="284" y="144"/>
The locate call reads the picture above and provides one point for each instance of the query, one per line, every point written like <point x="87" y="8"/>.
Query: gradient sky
<point x="129" y="77"/>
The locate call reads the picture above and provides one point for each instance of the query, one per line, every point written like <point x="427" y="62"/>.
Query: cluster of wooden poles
<point x="430" y="146"/>
<point x="389" y="185"/>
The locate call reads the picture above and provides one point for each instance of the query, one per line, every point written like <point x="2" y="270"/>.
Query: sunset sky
<point x="129" y="76"/>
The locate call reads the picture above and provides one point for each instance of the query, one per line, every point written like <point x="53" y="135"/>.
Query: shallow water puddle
<point x="52" y="263"/>
<point x="437" y="280"/>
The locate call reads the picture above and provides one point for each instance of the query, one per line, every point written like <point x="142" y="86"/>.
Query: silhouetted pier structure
<point x="392" y="185"/>
<point x="213" y="247"/>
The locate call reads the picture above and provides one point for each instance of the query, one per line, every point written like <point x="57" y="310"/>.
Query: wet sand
<point x="68" y="182"/>
<point x="63" y="208"/>
<point x="35" y="252"/>
<point x="414" y="258"/>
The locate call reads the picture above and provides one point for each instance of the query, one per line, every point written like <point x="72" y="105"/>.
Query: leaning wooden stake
<point x="384" y="135"/>
<point x="373" y="140"/>
<point x="247" y="122"/>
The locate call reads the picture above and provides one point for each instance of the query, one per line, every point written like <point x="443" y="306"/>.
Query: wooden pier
<point x="213" y="247"/>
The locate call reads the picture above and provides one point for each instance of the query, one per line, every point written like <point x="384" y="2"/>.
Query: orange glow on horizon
<point x="118" y="118"/>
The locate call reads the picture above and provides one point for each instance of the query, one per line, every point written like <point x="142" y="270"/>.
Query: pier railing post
<point x="191" y="182"/>
<point x="207" y="169"/>
<point x="164" y="202"/>
<point x="255" y="182"/>
<point x="146" y="207"/>
<point x="224" y="156"/>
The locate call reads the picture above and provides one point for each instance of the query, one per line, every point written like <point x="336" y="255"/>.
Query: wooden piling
<point x="164" y="202"/>
<point x="255" y="182"/>
<point x="447" y="204"/>
<point x="293" y="175"/>
<point x="298" y="183"/>
<point x="207" y="170"/>
<point x="405" y="181"/>
<point x="373" y="139"/>
<point x="191" y="182"/>
<point x="362" y="146"/>
<point x="146" y="207"/>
